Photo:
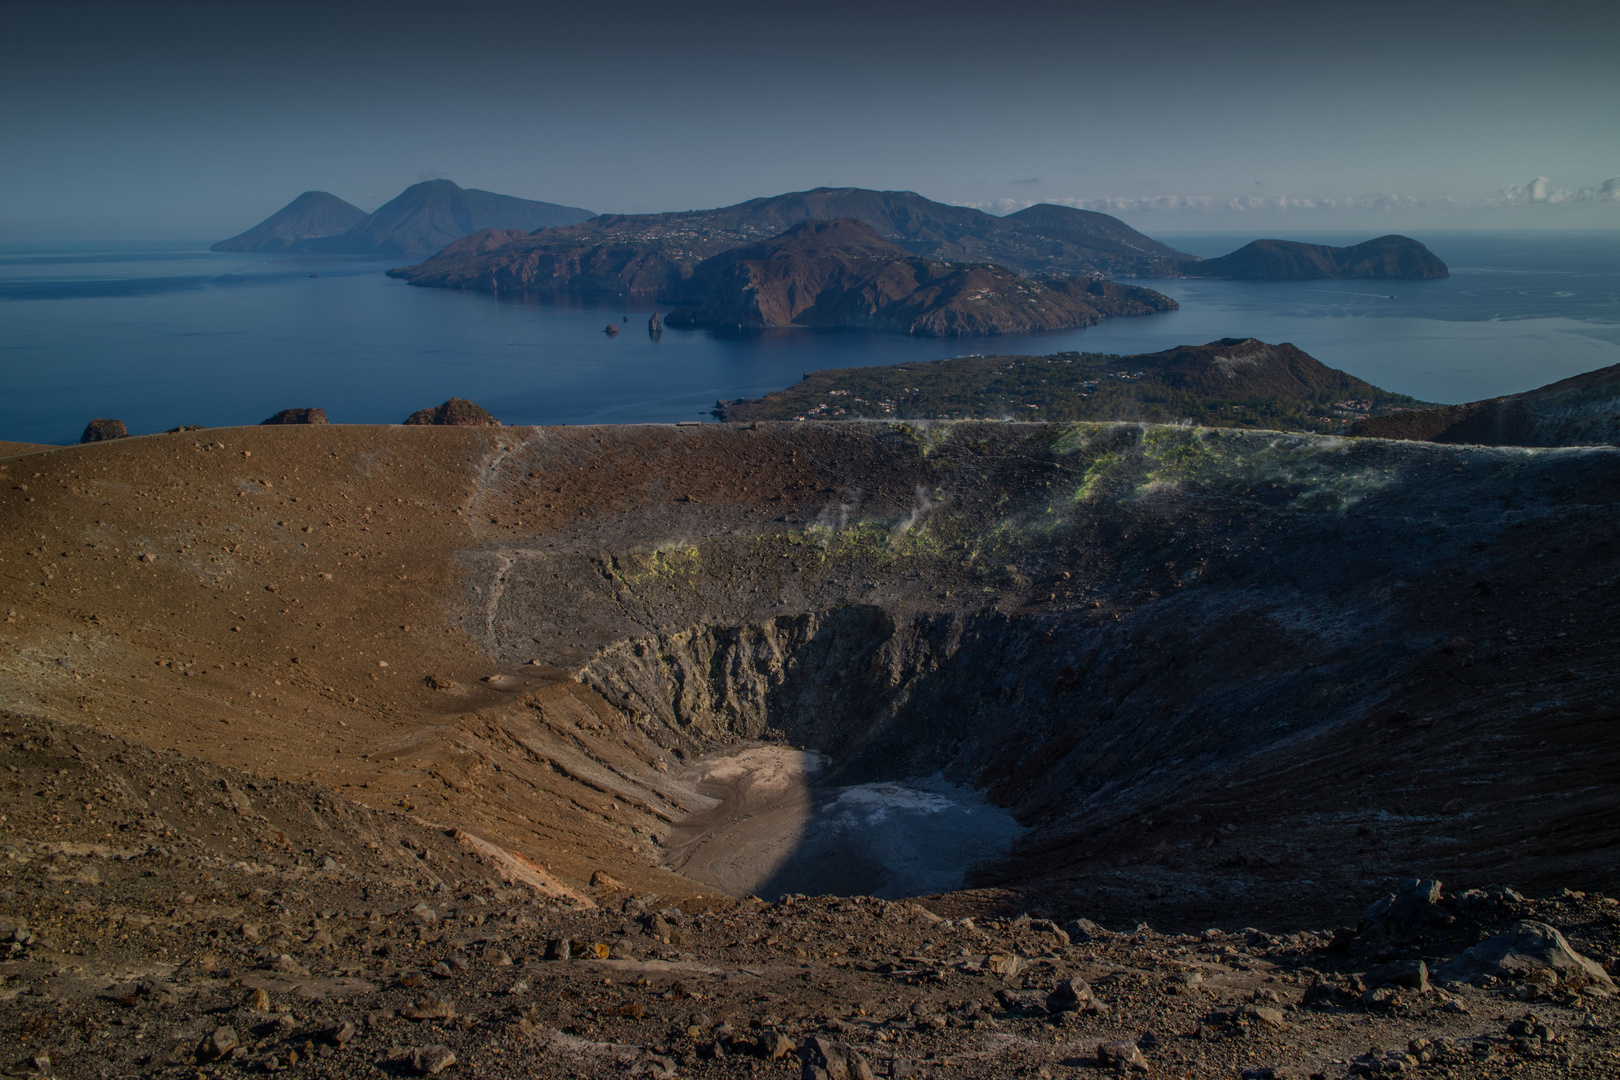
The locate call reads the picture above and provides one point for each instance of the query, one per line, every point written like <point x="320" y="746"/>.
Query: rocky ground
<point x="331" y="942"/>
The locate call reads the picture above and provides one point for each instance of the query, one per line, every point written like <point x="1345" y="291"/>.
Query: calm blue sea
<point x="165" y="334"/>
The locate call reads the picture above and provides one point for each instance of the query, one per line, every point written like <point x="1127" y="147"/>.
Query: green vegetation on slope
<point x="1230" y="383"/>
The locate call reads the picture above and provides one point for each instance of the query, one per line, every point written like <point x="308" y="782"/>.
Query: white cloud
<point x="1539" y="191"/>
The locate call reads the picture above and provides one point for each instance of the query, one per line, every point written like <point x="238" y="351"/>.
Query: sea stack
<point x="611" y="329"/>
<point x="457" y="412"/>
<point x="655" y="325"/>
<point x="101" y="429"/>
<point x="297" y="416"/>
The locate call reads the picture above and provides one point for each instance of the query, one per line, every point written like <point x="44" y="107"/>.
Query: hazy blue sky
<point x="198" y="119"/>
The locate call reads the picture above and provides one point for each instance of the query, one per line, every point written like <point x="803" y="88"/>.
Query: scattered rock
<point x="1413" y="974"/>
<point x="1123" y="1056"/>
<point x="774" y="1046"/>
<point x="1262" y="1014"/>
<point x="1525" y="948"/>
<point x="101" y="429"/>
<point x="431" y="1060"/>
<point x="1070" y="994"/>
<point x="218" y="1045"/>
<point x="297" y="416"/>
<point x="1004" y="964"/>
<point x="601" y="879"/>
<point x="429" y="1007"/>
<point x="338" y="1034"/>
<point x="826" y="1060"/>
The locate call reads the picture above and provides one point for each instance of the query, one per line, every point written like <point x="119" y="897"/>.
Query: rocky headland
<point x="841" y="273"/>
<point x="1580" y="411"/>
<point x="1234" y="382"/>
<point x="1395" y="257"/>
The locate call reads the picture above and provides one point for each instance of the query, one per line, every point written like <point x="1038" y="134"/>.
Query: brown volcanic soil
<point x="12" y="449"/>
<point x="1224" y="678"/>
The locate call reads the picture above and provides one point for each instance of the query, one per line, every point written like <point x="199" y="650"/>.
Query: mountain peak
<point x="311" y="216"/>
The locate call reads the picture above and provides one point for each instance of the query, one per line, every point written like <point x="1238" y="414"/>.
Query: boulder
<point x="823" y="1059"/>
<point x="101" y="429"/>
<point x="220" y="1044"/>
<point x="1413" y="974"/>
<point x="1528" y="947"/>
<point x="297" y="416"/>
<point x="457" y="412"/>
<point x="1121" y="1055"/>
<point x="431" y="1060"/>
<point x="1405" y="916"/>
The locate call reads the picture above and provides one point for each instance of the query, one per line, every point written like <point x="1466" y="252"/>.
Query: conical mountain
<point x="311" y="216"/>
<point x="425" y="217"/>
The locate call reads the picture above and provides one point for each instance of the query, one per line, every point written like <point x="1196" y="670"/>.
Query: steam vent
<point x="836" y="750"/>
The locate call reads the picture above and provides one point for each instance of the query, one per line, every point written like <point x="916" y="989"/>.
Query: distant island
<point x="314" y="215"/>
<point x="841" y="273"/>
<point x="1579" y="411"/>
<point x="1398" y="257"/>
<point x="480" y="240"/>
<point x="652" y="254"/>
<point x="423" y="219"/>
<point x="1233" y="382"/>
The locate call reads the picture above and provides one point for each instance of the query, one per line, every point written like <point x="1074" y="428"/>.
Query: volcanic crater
<point x="1136" y="673"/>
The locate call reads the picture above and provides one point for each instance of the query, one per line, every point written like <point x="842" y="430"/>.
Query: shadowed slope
<point x="1583" y="410"/>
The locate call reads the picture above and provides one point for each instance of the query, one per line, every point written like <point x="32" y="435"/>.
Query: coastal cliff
<point x="650" y="253"/>
<point x="841" y="273"/>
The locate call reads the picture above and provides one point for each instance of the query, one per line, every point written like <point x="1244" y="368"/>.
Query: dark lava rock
<point x="101" y="429"/>
<point x="457" y="412"/>
<point x="1413" y="974"/>
<point x="1404" y="917"/>
<point x="297" y="416"/>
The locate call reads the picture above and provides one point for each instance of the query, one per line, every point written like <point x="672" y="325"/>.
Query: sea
<point x="163" y="334"/>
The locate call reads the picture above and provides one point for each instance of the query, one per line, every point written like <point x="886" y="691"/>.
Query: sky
<point x="181" y="120"/>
